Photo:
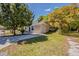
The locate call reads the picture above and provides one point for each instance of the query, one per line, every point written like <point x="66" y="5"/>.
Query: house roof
<point x="40" y="23"/>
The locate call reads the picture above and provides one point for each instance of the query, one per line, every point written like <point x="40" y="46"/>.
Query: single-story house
<point x="41" y="27"/>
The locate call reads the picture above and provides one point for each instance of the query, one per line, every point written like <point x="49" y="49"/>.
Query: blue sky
<point x="44" y="8"/>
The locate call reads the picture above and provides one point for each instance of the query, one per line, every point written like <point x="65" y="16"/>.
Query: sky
<point x="44" y="8"/>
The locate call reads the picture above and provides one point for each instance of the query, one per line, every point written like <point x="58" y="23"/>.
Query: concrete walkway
<point x="73" y="47"/>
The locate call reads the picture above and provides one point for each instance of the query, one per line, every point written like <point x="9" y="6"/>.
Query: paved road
<point x="73" y="47"/>
<point x="6" y="41"/>
<point x="3" y="40"/>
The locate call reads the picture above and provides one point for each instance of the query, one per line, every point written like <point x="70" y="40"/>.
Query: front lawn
<point x="53" y="44"/>
<point x="74" y="34"/>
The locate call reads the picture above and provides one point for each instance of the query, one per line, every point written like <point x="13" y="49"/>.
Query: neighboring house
<point x="1" y="30"/>
<point x="41" y="27"/>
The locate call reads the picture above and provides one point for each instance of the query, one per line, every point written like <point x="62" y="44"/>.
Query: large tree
<point x="64" y="16"/>
<point x="16" y="16"/>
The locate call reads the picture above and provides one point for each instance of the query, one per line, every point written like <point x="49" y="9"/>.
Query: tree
<point x="16" y="16"/>
<point x="43" y="18"/>
<point x="63" y="16"/>
<point x="74" y="25"/>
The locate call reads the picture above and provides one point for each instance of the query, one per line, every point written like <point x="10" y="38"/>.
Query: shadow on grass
<point x="33" y="40"/>
<point x="50" y="32"/>
<point x="72" y="34"/>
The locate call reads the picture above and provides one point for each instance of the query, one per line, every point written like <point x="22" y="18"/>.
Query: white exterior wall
<point x="1" y="32"/>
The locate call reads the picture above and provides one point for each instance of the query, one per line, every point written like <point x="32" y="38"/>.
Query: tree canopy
<point x="64" y="16"/>
<point x="43" y="18"/>
<point x="15" y="16"/>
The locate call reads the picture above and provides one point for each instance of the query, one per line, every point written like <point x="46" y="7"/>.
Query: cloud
<point x="48" y="9"/>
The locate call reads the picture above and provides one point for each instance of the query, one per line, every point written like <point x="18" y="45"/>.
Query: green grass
<point x="53" y="44"/>
<point x="74" y="34"/>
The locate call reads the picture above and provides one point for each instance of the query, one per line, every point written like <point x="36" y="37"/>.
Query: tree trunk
<point x="22" y="32"/>
<point x="77" y="29"/>
<point x="14" y="32"/>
